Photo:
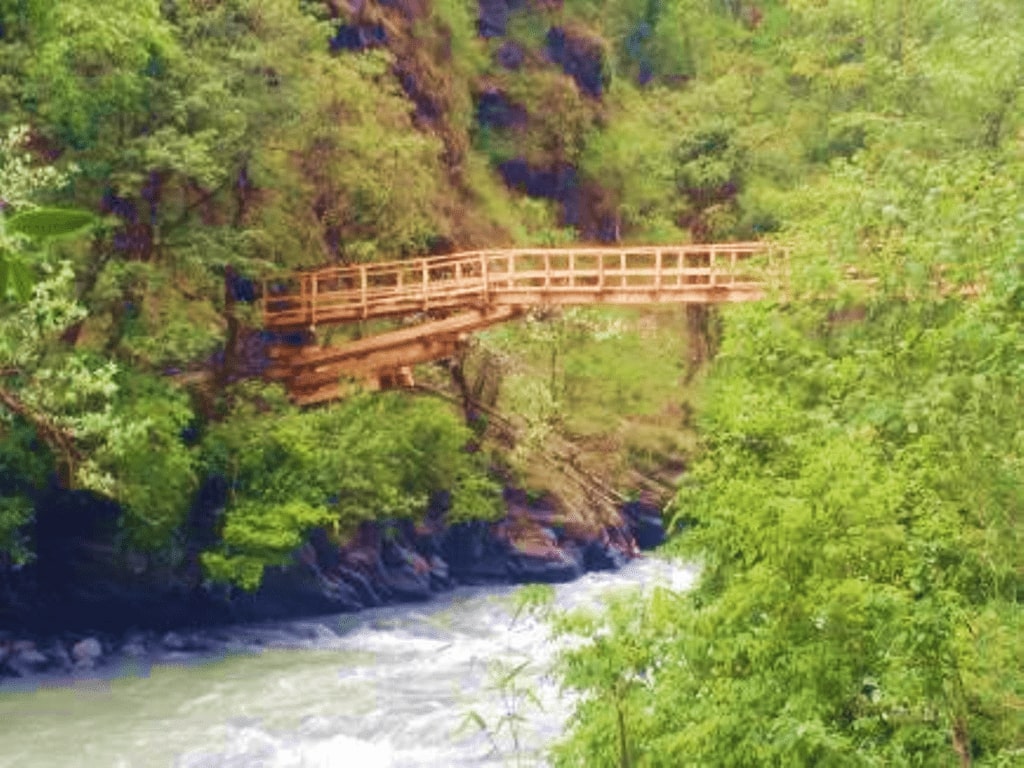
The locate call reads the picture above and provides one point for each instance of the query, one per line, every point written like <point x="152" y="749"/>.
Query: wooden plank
<point x="471" y="278"/>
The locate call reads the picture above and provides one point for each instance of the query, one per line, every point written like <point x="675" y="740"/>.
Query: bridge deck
<point x="480" y="288"/>
<point x="699" y="274"/>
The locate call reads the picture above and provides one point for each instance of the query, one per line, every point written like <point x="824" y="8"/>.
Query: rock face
<point x="494" y="110"/>
<point x="559" y="183"/>
<point x="494" y="16"/>
<point x="579" y="57"/>
<point x="510" y="55"/>
<point x="358" y="37"/>
<point x="645" y="523"/>
<point x="92" y="603"/>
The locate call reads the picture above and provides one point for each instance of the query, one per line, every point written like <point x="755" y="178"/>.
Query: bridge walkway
<point x="472" y="290"/>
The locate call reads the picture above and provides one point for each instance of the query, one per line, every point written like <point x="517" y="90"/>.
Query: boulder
<point x="440" y="574"/>
<point x="172" y="641"/>
<point x="362" y="584"/>
<point x="135" y="646"/>
<point x="474" y="555"/>
<point x="645" y="523"/>
<point x="85" y="653"/>
<point x="528" y="568"/>
<point x="602" y="556"/>
<point x="293" y="591"/>
<point x="406" y="584"/>
<point x="26" y="659"/>
<point x="406" y="574"/>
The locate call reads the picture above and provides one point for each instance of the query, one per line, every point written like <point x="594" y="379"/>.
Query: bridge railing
<point x="503" y="277"/>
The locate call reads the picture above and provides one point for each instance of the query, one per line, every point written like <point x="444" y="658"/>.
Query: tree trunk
<point x="961" y="742"/>
<point x="230" y="361"/>
<point x="698" y="337"/>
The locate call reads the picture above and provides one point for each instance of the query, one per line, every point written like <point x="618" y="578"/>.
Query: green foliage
<point x="508" y="683"/>
<point x="258" y="535"/>
<point x="20" y="183"/>
<point x="857" y="515"/>
<point x="533" y="600"/>
<point x="95" y="66"/>
<point x="15" y="514"/>
<point x="857" y="506"/>
<point x="381" y="179"/>
<point x="560" y="118"/>
<point x="152" y="473"/>
<point x="49" y="223"/>
<point x="368" y="458"/>
<point x="108" y="430"/>
<point x="608" y="380"/>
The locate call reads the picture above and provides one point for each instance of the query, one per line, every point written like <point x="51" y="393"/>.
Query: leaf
<point x="511" y="673"/>
<point x="15" y="278"/>
<point x="50" y="223"/>
<point x="472" y="718"/>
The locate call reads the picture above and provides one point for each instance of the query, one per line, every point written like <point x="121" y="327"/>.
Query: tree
<point x="857" y="508"/>
<point x="857" y="513"/>
<point x="368" y="458"/>
<point x="65" y="401"/>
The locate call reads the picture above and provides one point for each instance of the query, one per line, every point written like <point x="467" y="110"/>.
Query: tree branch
<point x="60" y="441"/>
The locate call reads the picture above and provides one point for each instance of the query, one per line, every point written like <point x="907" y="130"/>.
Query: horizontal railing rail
<point x="524" y="276"/>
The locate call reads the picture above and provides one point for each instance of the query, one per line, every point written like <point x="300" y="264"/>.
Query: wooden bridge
<point x="452" y="296"/>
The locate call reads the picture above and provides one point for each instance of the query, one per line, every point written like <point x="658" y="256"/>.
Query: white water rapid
<point x="391" y="687"/>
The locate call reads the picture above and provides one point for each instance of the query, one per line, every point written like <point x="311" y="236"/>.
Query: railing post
<point x="547" y="270"/>
<point x="362" y="289"/>
<point x="623" y="280"/>
<point x="307" y="308"/>
<point x="484" y="273"/>
<point x="733" y="257"/>
<point x="600" y="271"/>
<point x="423" y="265"/>
<point x="314" y="285"/>
<point x="657" y="270"/>
<point x="712" y="277"/>
<point x="572" y="269"/>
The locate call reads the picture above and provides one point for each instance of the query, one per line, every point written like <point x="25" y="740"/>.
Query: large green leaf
<point x="49" y="223"/>
<point x="15" y="278"/>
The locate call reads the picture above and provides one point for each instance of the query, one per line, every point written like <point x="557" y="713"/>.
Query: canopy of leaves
<point x="857" y="509"/>
<point x="366" y="458"/>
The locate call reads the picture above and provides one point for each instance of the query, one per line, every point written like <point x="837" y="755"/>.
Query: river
<point x="396" y="687"/>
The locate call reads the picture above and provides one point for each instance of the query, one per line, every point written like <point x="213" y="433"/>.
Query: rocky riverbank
<point x="83" y="606"/>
